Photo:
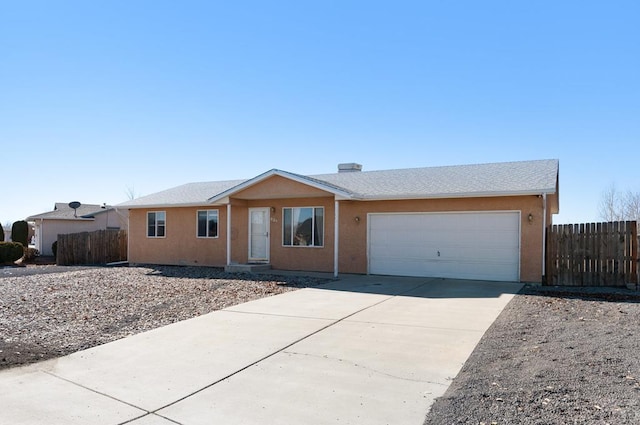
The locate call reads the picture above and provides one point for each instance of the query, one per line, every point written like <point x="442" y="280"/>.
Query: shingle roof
<point x="506" y="178"/>
<point x="496" y="179"/>
<point x="62" y="211"/>
<point x="186" y="194"/>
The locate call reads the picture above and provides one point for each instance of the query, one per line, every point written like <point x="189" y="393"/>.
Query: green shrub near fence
<point x="10" y="252"/>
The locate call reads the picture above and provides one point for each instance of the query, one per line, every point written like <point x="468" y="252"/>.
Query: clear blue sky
<point x="100" y="97"/>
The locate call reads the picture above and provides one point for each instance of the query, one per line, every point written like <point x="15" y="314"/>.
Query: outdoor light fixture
<point x="530" y="218"/>
<point x="357" y="219"/>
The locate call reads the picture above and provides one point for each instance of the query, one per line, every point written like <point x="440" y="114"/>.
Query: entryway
<point x="259" y="235"/>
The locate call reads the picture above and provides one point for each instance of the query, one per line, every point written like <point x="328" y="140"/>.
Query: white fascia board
<point x="458" y="195"/>
<point x="70" y="219"/>
<point x="157" y="206"/>
<point x="78" y="218"/>
<point x="229" y="192"/>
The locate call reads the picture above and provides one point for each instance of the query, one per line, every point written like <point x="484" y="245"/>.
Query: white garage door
<point x="484" y="246"/>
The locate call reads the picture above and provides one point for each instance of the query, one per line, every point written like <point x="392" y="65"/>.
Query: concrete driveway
<point x="361" y="350"/>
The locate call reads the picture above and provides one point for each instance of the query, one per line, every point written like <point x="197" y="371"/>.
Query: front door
<point x="259" y="235"/>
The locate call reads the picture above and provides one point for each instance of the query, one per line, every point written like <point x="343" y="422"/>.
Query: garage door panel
<point x="454" y="245"/>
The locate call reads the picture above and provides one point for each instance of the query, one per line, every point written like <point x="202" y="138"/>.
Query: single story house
<point x="483" y="221"/>
<point x="64" y="220"/>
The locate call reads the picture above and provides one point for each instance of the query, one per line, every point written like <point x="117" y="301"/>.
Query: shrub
<point x="54" y="248"/>
<point x="10" y="252"/>
<point x="20" y="232"/>
<point x="1" y="233"/>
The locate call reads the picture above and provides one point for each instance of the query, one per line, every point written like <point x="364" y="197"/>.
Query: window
<point x="156" y="222"/>
<point x="303" y="226"/>
<point x="208" y="224"/>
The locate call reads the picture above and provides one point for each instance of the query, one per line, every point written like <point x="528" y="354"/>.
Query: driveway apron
<point x="363" y="349"/>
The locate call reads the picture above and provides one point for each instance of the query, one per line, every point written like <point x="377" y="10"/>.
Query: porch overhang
<point x="235" y="192"/>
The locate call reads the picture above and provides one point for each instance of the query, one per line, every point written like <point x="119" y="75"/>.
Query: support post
<point x="228" y="234"/>
<point x="544" y="234"/>
<point x="336" y="238"/>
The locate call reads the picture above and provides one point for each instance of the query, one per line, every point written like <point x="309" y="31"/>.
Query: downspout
<point x="544" y="234"/>
<point x="228" y="234"/>
<point x="336" y="238"/>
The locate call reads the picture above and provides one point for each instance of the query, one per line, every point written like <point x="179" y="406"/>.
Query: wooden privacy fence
<point x="99" y="247"/>
<point x="592" y="254"/>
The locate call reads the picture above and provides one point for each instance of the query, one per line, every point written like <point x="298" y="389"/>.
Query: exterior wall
<point x="353" y="235"/>
<point x="180" y="246"/>
<point x="240" y="229"/>
<point x="279" y="187"/>
<point x="112" y="220"/>
<point x="277" y="193"/>
<point x="552" y="207"/>
<point x="285" y="257"/>
<point x="47" y="231"/>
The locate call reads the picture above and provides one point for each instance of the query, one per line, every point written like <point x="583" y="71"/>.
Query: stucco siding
<point x="279" y="187"/>
<point x="302" y="257"/>
<point x="353" y="235"/>
<point x="180" y="246"/>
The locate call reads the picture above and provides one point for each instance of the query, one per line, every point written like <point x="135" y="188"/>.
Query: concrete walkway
<point x="361" y="350"/>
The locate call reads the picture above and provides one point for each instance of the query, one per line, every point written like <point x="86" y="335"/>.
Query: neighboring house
<point x="64" y="220"/>
<point x="484" y="221"/>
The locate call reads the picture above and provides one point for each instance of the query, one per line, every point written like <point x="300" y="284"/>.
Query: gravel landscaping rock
<point x="51" y="311"/>
<point x="554" y="356"/>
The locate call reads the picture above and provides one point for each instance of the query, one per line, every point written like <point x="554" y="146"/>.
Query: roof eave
<point x="162" y="205"/>
<point x="458" y="195"/>
<point x="79" y="218"/>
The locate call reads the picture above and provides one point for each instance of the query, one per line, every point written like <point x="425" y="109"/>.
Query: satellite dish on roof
<point x="75" y="205"/>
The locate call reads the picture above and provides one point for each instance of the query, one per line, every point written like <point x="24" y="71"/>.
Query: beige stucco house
<point x="64" y="220"/>
<point x="484" y="221"/>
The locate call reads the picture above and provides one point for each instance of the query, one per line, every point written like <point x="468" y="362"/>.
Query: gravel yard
<point x="49" y="311"/>
<point x="552" y="357"/>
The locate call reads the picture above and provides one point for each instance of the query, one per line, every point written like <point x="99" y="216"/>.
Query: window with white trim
<point x="156" y="224"/>
<point x="303" y="226"/>
<point x="208" y="223"/>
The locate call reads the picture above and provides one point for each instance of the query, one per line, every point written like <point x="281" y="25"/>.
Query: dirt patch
<point x="552" y="358"/>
